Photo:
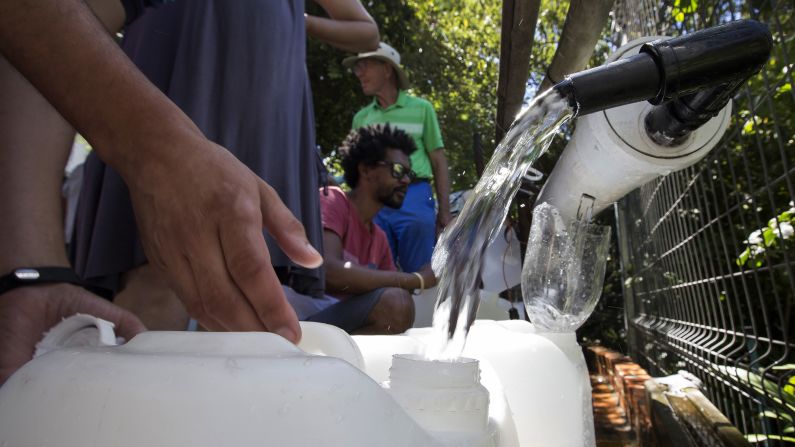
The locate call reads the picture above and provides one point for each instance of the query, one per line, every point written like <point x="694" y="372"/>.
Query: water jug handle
<point x="76" y="331"/>
<point x="331" y="341"/>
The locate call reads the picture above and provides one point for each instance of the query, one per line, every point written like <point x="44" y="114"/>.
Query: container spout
<point x="724" y="55"/>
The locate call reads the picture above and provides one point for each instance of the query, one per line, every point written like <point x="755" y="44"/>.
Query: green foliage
<point x="778" y="231"/>
<point x="783" y="395"/>
<point x="682" y="7"/>
<point x="781" y="419"/>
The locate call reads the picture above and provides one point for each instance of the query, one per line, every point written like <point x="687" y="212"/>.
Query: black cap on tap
<point x="665" y="69"/>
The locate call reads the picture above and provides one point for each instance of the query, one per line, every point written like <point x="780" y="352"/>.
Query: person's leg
<point x="382" y="311"/>
<point x="392" y="314"/>
<point x="415" y="228"/>
<point x="305" y="306"/>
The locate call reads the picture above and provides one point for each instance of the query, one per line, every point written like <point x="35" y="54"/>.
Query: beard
<point x="393" y="198"/>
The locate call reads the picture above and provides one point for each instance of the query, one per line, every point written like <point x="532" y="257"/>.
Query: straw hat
<point x="383" y="53"/>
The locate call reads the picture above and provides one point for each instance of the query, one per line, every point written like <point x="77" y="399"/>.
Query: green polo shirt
<point x="416" y="117"/>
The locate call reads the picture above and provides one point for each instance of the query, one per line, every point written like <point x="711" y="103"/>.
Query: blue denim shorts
<point x="349" y="314"/>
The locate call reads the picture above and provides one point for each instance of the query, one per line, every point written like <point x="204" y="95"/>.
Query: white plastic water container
<point x="253" y="389"/>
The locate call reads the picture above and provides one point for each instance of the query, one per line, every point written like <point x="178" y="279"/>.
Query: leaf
<point x="783" y="89"/>
<point x="748" y="127"/>
<point x="762" y="385"/>
<point x="773" y="415"/>
<point x="769" y="236"/>
<point x="743" y="258"/>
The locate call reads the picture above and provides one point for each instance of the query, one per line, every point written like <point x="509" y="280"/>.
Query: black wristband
<point x="30" y="276"/>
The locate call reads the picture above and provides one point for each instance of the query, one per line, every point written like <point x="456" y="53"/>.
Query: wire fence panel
<point x="707" y="253"/>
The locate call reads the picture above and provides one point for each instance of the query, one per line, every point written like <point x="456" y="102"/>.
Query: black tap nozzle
<point x="741" y="50"/>
<point x="714" y="56"/>
<point x="621" y="82"/>
<point x="724" y="55"/>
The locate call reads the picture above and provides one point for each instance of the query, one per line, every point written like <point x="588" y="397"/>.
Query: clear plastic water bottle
<point x="563" y="271"/>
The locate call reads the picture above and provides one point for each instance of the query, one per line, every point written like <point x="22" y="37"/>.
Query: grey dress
<point x="237" y="68"/>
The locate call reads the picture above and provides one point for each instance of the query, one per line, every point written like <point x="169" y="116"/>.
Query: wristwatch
<point x="29" y="276"/>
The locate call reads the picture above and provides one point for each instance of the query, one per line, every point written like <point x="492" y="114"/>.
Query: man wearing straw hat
<point x="412" y="229"/>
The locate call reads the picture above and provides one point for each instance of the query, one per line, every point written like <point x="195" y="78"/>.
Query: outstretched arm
<point x="349" y="26"/>
<point x="346" y="277"/>
<point x="199" y="210"/>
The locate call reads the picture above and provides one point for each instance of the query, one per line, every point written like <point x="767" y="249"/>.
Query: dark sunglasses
<point x="398" y="170"/>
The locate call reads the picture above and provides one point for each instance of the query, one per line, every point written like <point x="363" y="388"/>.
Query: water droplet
<point x="308" y="362"/>
<point x="340" y="418"/>
<point x="284" y="409"/>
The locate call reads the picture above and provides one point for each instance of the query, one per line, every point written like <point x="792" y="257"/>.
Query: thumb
<point x="286" y="229"/>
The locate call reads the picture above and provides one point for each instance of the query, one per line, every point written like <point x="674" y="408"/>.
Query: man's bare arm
<point x="441" y="180"/>
<point x="342" y="277"/>
<point x="349" y="26"/>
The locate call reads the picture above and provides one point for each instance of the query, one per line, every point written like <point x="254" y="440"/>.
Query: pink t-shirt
<point x="362" y="245"/>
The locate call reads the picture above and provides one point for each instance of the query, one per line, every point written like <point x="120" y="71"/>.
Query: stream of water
<point x="459" y="251"/>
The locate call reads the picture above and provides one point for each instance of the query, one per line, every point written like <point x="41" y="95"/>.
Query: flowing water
<point x="459" y="251"/>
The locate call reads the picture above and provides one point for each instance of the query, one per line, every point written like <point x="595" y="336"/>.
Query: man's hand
<point x="201" y="217"/>
<point x="443" y="219"/>
<point x="26" y="313"/>
<point x="427" y="276"/>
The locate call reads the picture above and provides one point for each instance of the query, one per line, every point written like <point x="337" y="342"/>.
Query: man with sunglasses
<point x="373" y="296"/>
<point x="412" y="228"/>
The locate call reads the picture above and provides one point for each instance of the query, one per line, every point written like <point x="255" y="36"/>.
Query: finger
<point x="286" y="229"/>
<point x="179" y="275"/>
<point x="248" y="262"/>
<point x="185" y="283"/>
<point x="220" y="299"/>
<point x="175" y="267"/>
